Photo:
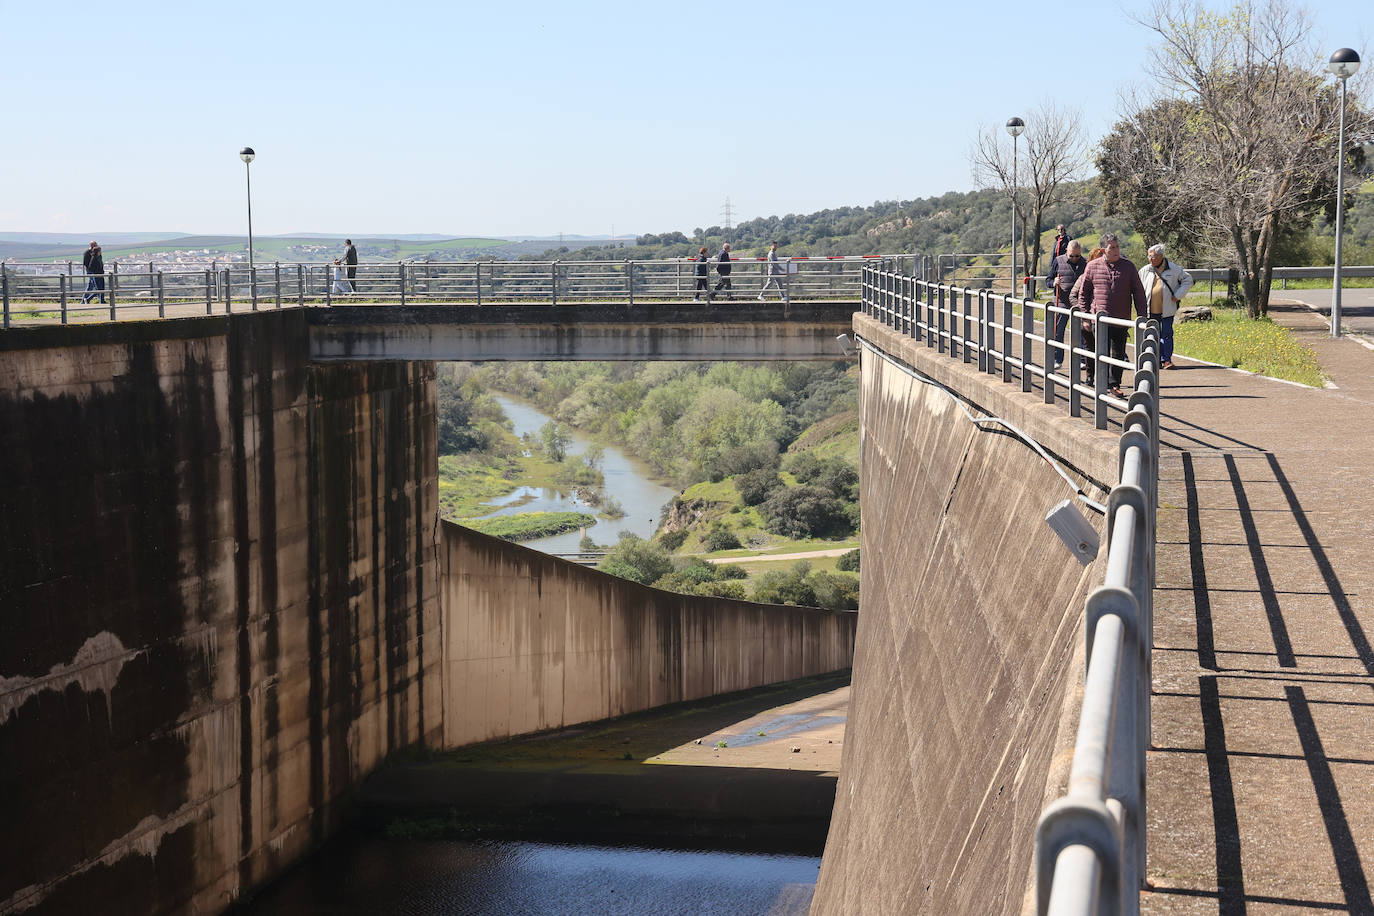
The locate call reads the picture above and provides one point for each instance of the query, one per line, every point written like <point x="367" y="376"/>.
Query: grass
<point x="528" y="526"/>
<point x="1233" y="339"/>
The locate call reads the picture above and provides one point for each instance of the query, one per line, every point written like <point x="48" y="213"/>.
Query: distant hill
<point x="286" y="248"/>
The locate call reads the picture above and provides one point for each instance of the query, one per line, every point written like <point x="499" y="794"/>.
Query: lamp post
<point x="1015" y="127"/>
<point x="247" y="154"/>
<point x="1343" y="63"/>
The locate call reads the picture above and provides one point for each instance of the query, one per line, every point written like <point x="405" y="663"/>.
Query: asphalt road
<point x="1357" y="306"/>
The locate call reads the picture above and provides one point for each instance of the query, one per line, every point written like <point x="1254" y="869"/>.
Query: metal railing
<point x="1090" y="844"/>
<point x="52" y="292"/>
<point x="1018" y="338"/>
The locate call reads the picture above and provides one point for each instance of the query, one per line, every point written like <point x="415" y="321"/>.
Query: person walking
<point x="93" y="262"/>
<point x="1061" y="243"/>
<point x="1089" y="339"/>
<point x="1110" y="285"/>
<point x="703" y="276"/>
<point x="774" y="273"/>
<point x="723" y="268"/>
<point x="1166" y="283"/>
<point x="351" y="259"/>
<point x="1065" y="269"/>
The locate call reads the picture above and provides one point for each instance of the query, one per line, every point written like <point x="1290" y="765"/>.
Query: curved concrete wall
<point x="968" y="656"/>
<point x="218" y="603"/>
<point x="534" y="642"/>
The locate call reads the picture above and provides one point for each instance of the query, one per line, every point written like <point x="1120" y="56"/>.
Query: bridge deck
<point x="1259" y="779"/>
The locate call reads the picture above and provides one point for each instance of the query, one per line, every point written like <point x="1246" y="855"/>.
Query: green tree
<point x="1240" y="139"/>
<point x="636" y="559"/>
<point x="554" y="438"/>
<point x="789" y="586"/>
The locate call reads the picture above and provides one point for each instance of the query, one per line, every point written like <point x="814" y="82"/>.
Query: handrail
<point x="1090" y="844"/>
<point x="51" y="291"/>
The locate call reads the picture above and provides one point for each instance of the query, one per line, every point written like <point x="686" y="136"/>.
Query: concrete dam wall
<point x="533" y="642"/>
<point x="219" y="603"/>
<point x="226" y="598"/>
<point x="968" y="660"/>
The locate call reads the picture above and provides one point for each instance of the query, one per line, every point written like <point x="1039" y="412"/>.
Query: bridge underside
<point x="741" y="330"/>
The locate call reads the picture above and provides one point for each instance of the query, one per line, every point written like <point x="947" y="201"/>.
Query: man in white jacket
<point x="1166" y="283"/>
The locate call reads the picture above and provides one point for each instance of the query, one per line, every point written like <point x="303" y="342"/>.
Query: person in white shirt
<point x="774" y="273"/>
<point x="1166" y="283"/>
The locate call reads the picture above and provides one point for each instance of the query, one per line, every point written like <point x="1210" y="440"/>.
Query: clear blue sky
<point x="528" y="117"/>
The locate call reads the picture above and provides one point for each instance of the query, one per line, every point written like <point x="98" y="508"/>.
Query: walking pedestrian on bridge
<point x="774" y="275"/>
<point x="723" y="268"/>
<point x="94" y="265"/>
<point x="703" y="276"/>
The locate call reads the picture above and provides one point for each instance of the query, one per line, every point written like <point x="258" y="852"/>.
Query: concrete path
<point x="1357" y="306"/>
<point x="1261" y="775"/>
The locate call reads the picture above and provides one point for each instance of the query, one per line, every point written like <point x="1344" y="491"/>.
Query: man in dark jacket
<point x="723" y="268"/>
<point x="1065" y="269"/>
<point x="94" y="265"/>
<point x="1111" y="284"/>
<point x="1061" y="242"/>
<point x="351" y="259"/>
<point x="703" y="276"/>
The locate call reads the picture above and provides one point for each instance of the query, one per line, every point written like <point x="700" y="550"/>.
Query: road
<point x="1357" y="306"/>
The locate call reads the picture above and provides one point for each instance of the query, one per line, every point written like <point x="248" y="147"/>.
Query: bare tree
<point x="1239" y="140"/>
<point x="1050" y="153"/>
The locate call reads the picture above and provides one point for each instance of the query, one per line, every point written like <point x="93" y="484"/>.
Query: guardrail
<point x="1004" y="334"/>
<point x="51" y="292"/>
<point x="1090" y="844"/>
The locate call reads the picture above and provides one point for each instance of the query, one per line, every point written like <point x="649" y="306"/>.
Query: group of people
<point x="1106" y="282"/>
<point x="772" y="276"/>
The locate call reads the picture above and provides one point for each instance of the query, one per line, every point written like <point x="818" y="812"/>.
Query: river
<point x="628" y="482"/>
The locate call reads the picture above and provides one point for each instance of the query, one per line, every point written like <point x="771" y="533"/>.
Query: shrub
<point x="757" y="485"/>
<point x="839" y="593"/>
<point x="720" y="538"/>
<point x="807" y="511"/>
<point x="789" y="586"/>
<point x="848" y="562"/>
<point x="672" y="540"/>
<point x="636" y="559"/>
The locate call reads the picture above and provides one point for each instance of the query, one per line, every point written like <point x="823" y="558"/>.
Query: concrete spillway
<point x="968" y="650"/>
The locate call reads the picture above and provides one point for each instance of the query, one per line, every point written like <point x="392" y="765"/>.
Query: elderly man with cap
<point x="1166" y="283"/>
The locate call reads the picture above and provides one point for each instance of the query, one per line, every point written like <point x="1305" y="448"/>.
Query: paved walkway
<point x="1261" y="775"/>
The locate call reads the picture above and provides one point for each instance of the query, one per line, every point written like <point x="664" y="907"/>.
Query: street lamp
<point x="247" y="154"/>
<point x="1343" y="63"/>
<point x="1015" y="127"/>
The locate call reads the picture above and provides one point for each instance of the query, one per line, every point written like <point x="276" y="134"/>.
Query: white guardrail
<point x="1090" y="844"/>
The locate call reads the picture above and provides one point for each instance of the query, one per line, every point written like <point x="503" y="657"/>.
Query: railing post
<point x="1006" y="338"/>
<point x="5" y="290"/>
<point x="114" y="286"/>
<point x="966" y="324"/>
<point x="1027" y="345"/>
<point x="984" y="364"/>
<point x="401" y="274"/>
<point x="553" y="282"/>
<point x="209" y="289"/>
<point x="161" y="299"/>
<point x="300" y="284"/>
<point x="479" y="281"/>
<point x="150" y="279"/>
<point x="228" y="291"/>
<point x="253" y="286"/>
<point x="630" y="279"/>
<point x="1099" y="373"/>
<point x="1075" y="341"/>
<point x="276" y="266"/>
<point x="62" y="292"/>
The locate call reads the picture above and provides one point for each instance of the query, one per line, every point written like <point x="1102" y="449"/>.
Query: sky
<point x="531" y="118"/>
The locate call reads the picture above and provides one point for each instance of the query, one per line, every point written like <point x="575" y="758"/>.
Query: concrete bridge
<point x="226" y="600"/>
